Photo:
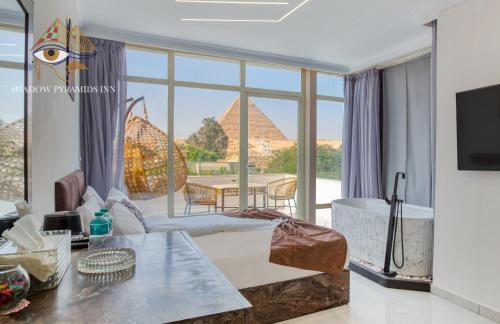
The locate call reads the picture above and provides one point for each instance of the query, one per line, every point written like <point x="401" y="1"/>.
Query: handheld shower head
<point x="396" y="179"/>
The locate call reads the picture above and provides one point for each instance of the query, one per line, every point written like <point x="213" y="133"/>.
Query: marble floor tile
<point x="374" y="304"/>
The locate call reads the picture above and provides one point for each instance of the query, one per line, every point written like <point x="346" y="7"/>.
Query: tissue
<point x="30" y="246"/>
<point x="25" y="235"/>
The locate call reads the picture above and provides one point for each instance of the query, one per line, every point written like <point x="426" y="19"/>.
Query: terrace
<point x="326" y="188"/>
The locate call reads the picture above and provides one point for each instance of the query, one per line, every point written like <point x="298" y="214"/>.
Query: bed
<point x="276" y="292"/>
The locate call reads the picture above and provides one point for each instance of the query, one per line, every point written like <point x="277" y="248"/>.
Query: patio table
<point x="233" y="189"/>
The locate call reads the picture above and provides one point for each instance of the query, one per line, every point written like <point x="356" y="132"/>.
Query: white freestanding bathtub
<point x="364" y="222"/>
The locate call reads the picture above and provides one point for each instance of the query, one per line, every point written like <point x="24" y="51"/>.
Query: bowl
<point x="14" y="286"/>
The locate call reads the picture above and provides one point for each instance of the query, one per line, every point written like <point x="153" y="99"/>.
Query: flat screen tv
<point x="478" y="129"/>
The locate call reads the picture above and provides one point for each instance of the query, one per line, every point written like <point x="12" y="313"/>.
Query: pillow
<point x="124" y="221"/>
<point x="117" y="196"/>
<point x="91" y="193"/>
<point x="87" y="211"/>
<point x="137" y="213"/>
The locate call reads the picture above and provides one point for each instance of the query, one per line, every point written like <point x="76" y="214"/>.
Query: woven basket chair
<point x="283" y="189"/>
<point x="146" y="156"/>
<point x="198" y="194"/>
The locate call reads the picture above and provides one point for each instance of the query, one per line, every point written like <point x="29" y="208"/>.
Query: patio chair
<point x="199" y="195"/>
<point x="283" y="189"/>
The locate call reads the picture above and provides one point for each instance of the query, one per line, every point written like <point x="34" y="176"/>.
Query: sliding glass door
<point x="273" y="153"/>
<point x="329" y="128"/>
<point x="207" y="134"/>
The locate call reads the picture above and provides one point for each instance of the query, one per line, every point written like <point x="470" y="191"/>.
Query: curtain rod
<point x="404" y="59"/>
<point x="176" y="44"/>
<point x="396" y="61"/>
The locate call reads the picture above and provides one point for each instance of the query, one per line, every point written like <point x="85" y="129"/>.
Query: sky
<point x="193" y="105"/>
<point x="11" y="49"/>
<point x="11" y="46"/>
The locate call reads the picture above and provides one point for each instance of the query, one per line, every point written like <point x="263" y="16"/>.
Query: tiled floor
<point x="373" y="304"/>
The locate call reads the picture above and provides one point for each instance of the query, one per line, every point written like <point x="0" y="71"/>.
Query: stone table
<point x="173" y="281"/>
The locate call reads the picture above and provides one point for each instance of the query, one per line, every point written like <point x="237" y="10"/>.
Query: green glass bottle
<point x="109" y="218"/>
<point x="99" y="225"/>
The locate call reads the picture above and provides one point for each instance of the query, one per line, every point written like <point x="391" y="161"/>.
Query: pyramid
<point x="259" y="126"/>
<point x="263" y="136"/>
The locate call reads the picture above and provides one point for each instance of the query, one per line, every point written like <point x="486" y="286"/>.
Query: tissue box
<point x="57" y="254"/>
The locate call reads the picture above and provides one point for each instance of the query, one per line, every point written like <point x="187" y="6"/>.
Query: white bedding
<point x="242" y="254"/>
<point x="206" y="224"/>
<point x="244" y="258"/>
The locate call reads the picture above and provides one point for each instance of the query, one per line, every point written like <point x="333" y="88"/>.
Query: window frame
<point x="332" y="99"/>
<point x="245" y="93"/>
<point x="24" y="31"/>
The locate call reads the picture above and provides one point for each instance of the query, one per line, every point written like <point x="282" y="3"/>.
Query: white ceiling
<point x="352" y="33"/>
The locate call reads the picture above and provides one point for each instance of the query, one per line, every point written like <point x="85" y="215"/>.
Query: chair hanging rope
<point x="146" y="157"/>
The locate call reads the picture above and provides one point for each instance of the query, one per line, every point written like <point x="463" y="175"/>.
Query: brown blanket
<point x="302" y="245"/>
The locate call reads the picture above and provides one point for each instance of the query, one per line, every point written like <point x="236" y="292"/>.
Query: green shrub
<point x="328" y="162"/>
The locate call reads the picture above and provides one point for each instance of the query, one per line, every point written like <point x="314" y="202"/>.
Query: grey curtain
<point x="102" y="117"/>
<point x="361" y="163"/>
<point x="407" y="130"/>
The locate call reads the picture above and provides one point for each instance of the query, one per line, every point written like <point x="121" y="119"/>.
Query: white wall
<point x="467" y="229"/>
<point x="55" y="118"/>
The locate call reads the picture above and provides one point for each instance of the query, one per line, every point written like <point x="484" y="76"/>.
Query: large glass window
<point x="146" y="131"/>
<point x="146" y="147"/>
<point x="195" y="68"/>
<point x="330" y="118"/>
<point x="206" y="127"/>
<point x="12" y="119"/>
<point x="207" y="131"/>
<point x="11" y="45"/>
<point x="272" y="153"/>
<point x="330" y="85"/>
<point x="11" y="139"/>
<point x="272" y="77"/>
<point x="147" y="63"/>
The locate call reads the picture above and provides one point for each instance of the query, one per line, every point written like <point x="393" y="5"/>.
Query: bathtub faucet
<point x="396" y="179"/>
<point x="394" y="202"/>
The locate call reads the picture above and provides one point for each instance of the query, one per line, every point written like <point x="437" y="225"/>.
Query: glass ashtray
<point x="106" y="260"/>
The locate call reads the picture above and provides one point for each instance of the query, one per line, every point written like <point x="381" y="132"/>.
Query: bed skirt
<point x="284" y="300"/>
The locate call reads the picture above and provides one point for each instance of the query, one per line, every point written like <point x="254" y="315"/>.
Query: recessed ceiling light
<point x="244" y="20"/>
<point x="293" y="10"/>
<point x="236" y="2"/>
<point x="230" y="20"/>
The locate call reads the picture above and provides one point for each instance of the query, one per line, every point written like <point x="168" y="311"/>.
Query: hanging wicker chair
<point x="146" y="156"/>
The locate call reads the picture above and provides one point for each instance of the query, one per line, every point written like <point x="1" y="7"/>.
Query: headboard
<point x="69" y="191"/>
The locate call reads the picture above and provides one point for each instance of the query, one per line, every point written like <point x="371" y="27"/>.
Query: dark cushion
<point x="69" y="191"/>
